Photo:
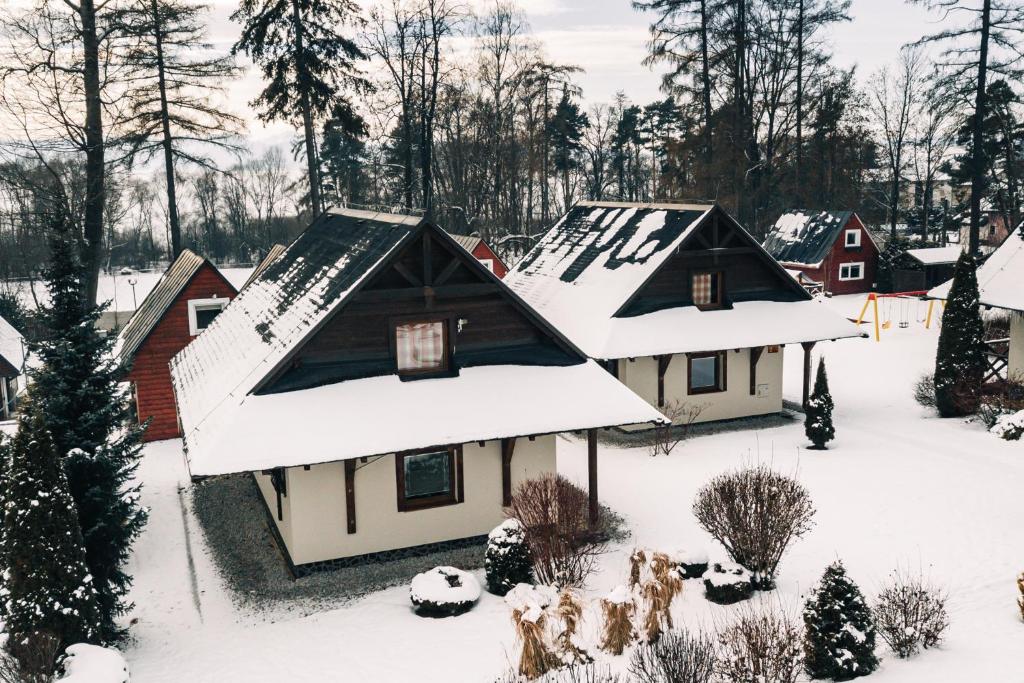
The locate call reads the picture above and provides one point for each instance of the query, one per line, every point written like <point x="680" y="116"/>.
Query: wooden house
<point x="191" y="293"/>
<point x="483" y="253"/>
<point x="1001" y="285"/>
<point x="992" y="231"/>
<point x="678" y="301"/>
<point x="924" y="268"/>
<point x="830" y="247"/>
<point x="356" y="379"/>
<point x="12" y="368"/>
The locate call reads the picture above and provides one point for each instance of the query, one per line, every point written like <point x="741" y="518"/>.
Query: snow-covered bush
<point x="839" y="634"/>
<point x="910" y="614"/>
<point x="755" y="513"/>
<point x="677" y="657"/>
<point x="726" y="583"/>
<point x="924" y="391"/>
<point x="960" y="356"/>
<point x="530" y="617"/>
<point x="618" y="608"/>
<point x="556" y="516"/>
<point x="818" y="423"/>
<point x="691" y="563"/>
<point x="586" y="673"/>
<point x="507" y="560"/>
<point x="84" y="663"/>
<point x="1009" y="427"/>
<point x="444" y="592"/>
<point x="761" y="645"/>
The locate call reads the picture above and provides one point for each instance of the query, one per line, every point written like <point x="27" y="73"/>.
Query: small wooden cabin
<point x="191" y="293"/>
<point x="924" y="268"/>
<point x="678" y="301"/>
<point x="12" y="368"/>
<point x="830" y="247"/>
<point x="483" y="253"/>
<point x="355" y="378"/>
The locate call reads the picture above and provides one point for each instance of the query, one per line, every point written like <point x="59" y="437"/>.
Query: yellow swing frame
<point x="872" y="301"/>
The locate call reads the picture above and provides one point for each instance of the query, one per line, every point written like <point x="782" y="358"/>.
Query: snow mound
<point x="86" y="663"/>
<point x="444" y="591"/>
<point x="508" y="532"/>
<point x="1009" y="427"/>
<point x="620" y="595"/>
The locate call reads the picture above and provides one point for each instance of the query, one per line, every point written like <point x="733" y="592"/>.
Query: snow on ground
<point x="898" y="488"/>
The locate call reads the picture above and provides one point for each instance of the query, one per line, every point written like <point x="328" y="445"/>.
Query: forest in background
<point x="117" y="122"/>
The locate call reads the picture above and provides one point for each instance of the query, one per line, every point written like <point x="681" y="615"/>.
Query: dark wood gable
<point x="429" y="276"/>
<point x="717" y="245"/>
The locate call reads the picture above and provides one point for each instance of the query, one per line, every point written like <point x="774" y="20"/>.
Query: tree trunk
<point x="167" y="142"/>
<point x="894" y="199"/>
<point x="705" y="78"/>
<point x="799" y="100"/>
<point x="977" y="133"/>
<point x="739" y="117"/>
<point x="95" y="163"/>
<point x="307" y="115"/>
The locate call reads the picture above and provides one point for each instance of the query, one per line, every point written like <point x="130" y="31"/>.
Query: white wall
<point x="315" y="524"/>
<point x="1015" y="367"/>
<point x="641" y="375"/>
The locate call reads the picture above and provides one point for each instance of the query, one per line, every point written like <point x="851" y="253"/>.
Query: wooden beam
<point x="807" y="346"/>
<point x="508" y="447"/>
<point x="755" y="355"/>
<point x="410" y="293"/>
<point x="409" y="276"/>
<point x="592" y="474"/>
<point x="350" y="495"/>
<point x="663" y="363"/>
<point x="448" y="271"/>
<point x="428" y="263"/>
<point x="719" y="251"/>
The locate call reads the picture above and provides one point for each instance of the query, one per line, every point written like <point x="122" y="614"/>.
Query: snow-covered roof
<point x="380" y="415"/>
<point x="597" y="256"/>
<point x="805" y="237"/>
<point x="1000" y="278"/>
<point x="467" y="242"/>
<point x="12" y="348"/>
<point x="272" y="255"/>
<point x="933" y="256"/>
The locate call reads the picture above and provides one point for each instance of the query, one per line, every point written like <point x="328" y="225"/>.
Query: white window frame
<point x="202" y="304"/>
<point x="859" y="264"/>
<point x="488" y="263"/>
<point x="846" y="238"/>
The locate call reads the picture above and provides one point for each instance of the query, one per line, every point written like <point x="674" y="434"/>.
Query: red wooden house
<point x="830" y="247"/>
<point x="184" y="302"/>
<point x="483" y="253"/>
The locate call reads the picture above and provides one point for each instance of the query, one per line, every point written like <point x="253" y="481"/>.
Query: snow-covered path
<point x="898" y="488"/>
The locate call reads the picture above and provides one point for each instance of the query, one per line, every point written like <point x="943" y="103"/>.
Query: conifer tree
<point x="818" y="422"/>
<point x="960" y="359"/>
<point x="507" y="560"/>
<point x="76" y="388"/>
<point x="48" y="592"/>
<point x="839" y="639"/>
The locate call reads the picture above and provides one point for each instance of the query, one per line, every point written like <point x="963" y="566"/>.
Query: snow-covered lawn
<point x="898" y="488"/>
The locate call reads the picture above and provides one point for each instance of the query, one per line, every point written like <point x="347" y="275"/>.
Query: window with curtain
<point x="421" y="347"/>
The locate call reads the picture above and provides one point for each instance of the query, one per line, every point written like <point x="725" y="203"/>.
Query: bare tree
<point x="932" y="137"/>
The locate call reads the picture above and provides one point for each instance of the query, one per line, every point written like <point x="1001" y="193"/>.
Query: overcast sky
<point x="607" y="39"/>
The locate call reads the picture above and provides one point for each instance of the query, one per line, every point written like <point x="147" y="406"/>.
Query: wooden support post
<point x="807" y="370"/>
<point x="460" y="480"/>
<point x="928" y="320"/>
<point x="663" y="363"/>
<point x="508" y="447"/>
<point x="592" y="473"/>
<point x="755" y="355"/>
<point x="350" y="495"/>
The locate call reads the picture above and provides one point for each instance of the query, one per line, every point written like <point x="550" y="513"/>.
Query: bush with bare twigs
<point x="680" y="416"/>
<point x="924" y="390"/>
<point x="910" y="614"/>
<point x="588" y="673"/>
<point x="562" y="542"/>
<point x="755" y="513"/>
<point x="618" y="608"/>
<point x="761" y="645"/>
<point x="35" y="663"/>
<point x="677" y="657"/>
<point x="1020" y="600"/>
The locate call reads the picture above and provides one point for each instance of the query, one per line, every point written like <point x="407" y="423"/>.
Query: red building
<point x="830" y="247"/>
<point x="483" y="253"/>
<point x="184" y="303"/>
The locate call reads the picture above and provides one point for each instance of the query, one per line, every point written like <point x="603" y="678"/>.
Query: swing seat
<point x="887" y="324"/>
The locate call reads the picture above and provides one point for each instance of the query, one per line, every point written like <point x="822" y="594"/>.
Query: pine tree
<point x="48" y="592"/>
<point x="76" y="388"/>
<point x="960" y="359"/>
<point x="839" y="639"/>
<point x="507" y="561"/>
<point x="818" y="423"/>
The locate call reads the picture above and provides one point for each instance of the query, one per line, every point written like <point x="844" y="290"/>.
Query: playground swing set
<point x="901" y="303"/>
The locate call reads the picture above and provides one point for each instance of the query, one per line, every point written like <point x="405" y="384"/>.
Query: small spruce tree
<point x="76" y="388"/>
<point x="839" y="639"/>
<point x="48" y="592"/>
<point x="960" y="359"/>
<point x="507" y="560"/>
<point x="818" y="422"/>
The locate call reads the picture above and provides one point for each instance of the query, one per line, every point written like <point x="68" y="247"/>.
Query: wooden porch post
<point x="755" y="355"/>
<point x="592" y="472"/>
<point x="807" y="370"/>
<point x="508" y="447"/>
<point x="350" y="495"/>
<point x="663" y="362"/>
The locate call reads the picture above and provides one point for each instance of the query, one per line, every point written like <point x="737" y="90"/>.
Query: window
<point x="707" y="290"/>
<point x="853" y="238"/>
<point x="428" y="478"/>
<point x="705" y="372"/>
<point x="851" y="271"/>
<point x="488" y="263"/>
<point x="201" y="313"/>
<point x="421" y="347"/>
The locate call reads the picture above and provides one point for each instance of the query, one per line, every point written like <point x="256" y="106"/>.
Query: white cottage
<point x="387" y="392"/>
<point x="678" y="302"/>
<point x="12" y="368"/>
